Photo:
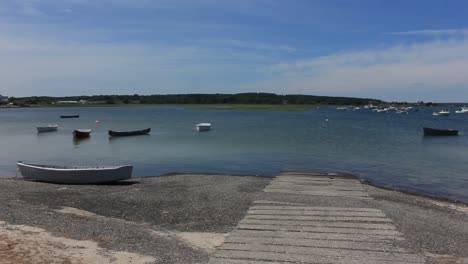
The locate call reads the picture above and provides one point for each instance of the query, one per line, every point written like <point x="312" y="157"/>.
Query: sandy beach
<point x="184" y="218"/>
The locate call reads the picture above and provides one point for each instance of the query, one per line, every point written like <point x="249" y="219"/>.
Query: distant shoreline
<point x="280" y="107"/>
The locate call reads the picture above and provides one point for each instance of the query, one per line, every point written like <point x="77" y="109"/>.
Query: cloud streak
<point x="433" y="32"/>
<point x="437" y="67"/>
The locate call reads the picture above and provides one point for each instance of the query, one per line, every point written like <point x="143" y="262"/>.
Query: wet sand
<point x="182" y="218"/>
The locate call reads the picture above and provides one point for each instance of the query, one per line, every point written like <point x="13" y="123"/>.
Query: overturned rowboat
<point x="74" y="175"/>
<point x="203" y="127"/>
<point x="439" y="132"/>
<point x="129" y="133"/>
<point x="49" y="128"/>
<point x="81" y="133"/>
<point x="69" y="116"/>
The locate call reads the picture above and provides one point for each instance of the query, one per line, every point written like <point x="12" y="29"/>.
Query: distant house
<point x="66" y="102"/>
<point x="3" y="99"/>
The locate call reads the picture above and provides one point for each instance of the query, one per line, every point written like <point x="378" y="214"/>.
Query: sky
<point x="391" y="50"/>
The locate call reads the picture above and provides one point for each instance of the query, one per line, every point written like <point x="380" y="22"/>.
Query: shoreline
<point x="365" y="182"/>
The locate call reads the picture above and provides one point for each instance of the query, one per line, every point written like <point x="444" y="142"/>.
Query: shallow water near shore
<point x="387" y="149"/>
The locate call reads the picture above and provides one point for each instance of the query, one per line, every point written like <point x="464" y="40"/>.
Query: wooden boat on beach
<point x="439" y="132"/>
<point x="74" y="175"/>
<point x="48" y="128"/>
<point x="129" y="133"/>
<point x="69" y="116"/>
<point x="81" y="133"/>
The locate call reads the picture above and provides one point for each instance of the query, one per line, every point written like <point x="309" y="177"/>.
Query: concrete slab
<point x="283" y="232"/>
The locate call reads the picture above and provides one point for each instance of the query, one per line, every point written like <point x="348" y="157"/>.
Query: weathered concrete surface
<point x="319" y="218"/>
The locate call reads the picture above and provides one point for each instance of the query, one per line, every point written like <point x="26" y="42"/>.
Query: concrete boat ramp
<point x="314" y="218"/>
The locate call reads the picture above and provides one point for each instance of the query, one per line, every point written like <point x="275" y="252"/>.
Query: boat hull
<point x="439" y="132"/>
<point x="69" y="116"/>
<point x="129" y="133"/>
<point x="203" y="128"/>
<point x="47" y="129"/>
<point x="81" y="133"/>
<point x="70" y="175"/>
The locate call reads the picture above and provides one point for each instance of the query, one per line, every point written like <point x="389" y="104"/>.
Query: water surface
<point x="388" y="149"/>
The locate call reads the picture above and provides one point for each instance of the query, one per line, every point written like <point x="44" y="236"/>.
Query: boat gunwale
<point x="203" y="125"/>
<point x="84" y="168"/>
<point x="141" y="132"/>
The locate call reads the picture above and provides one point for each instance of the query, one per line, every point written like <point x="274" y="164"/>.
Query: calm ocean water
<point x="387" y="149"/>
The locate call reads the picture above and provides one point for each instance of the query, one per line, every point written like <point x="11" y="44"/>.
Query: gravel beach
<point x="182" y="218"/>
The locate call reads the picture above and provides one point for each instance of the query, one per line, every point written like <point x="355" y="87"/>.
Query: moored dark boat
<point x="69" y="116"/>
<point x="129" y="133"/>
<point x="81" y="133"/>
<point x="439" y="132"/>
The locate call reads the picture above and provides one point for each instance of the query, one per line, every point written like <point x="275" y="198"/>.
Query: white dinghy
<point x="74" y="175"/>
<point x="203" y="127"/>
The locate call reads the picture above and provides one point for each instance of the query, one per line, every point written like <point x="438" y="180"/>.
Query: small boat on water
<point x="48" y="128"/>
<point x="203" y="127"/>
<point x="439" y="132"/>
<point x="441" y="113"/>
<point x="81" y="133"/>
<point x="464" y="110"/>
<point x="69" y="116"/>
<point x="129" y="133"/>
<point x="74" y="175"/>
<point x="385" y="110"/>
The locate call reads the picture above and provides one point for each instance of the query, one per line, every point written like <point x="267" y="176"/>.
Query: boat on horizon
<point x="441" y="113"/>
<point x="203" y="127"/>
<point x="81" y="133"/>
<point x="385" y="110"/>
<point x="48" y="128"/>
<point x="439" y="132"/>
<point x="74" y="175"/>
<point x="69" y="116"/>
<point x="113" y="133"/>
<point x="464" y="110"/>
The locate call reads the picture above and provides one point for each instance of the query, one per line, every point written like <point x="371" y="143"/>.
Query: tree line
<point x="241" y="98"/>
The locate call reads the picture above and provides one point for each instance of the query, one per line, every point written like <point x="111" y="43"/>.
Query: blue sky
<point x="392" y="50"/>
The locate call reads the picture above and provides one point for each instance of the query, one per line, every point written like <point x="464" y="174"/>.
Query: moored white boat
<point x="48" y="128"/>
<point x="203" y="127"/>
<point x="441" y="113"/>
<point x="464" y="110"/>
<point x="74" y="175"/>
<point x="385" y="110"/>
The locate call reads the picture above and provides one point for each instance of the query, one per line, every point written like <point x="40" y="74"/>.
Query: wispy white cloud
<point x="438" y="67"/>
<point x="47" y="66"/>
<point x="249" y="45"/>
<point x="433" y="32"/>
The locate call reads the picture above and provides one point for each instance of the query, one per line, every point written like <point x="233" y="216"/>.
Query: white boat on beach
<point x="203" y="127"/>
<point x="464" y="110"/>
<point x="74" y="175"/>
<point x="48" y="128"/>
